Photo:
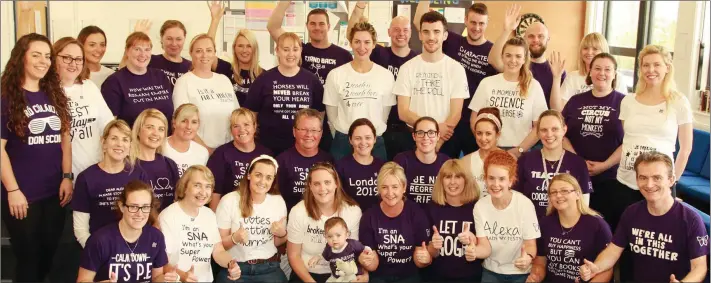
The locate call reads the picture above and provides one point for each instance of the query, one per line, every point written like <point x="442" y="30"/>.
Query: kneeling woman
<point x="131" y="250"/>
<point x="190" y="229"/>
<point x="566" y="211"/>
<point x="252" y="222"/>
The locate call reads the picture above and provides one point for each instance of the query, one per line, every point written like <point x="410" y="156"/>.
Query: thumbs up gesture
<point x="367" y="257"/>
<point x="240" y="236"/>
<point x="422" y="256"/>
<point x="169" y="274"/>
<point x="533" y="278"/>
<point x="190" y="275"/>
<point x="466" y="237"/>
<point x="279" y="228"/>
<point x="673" y="279"/>
<point x="470" y="252"/>
<point x="112" y="277"/>
<point x="588" y="270"/>
<point x="524" y="260"/>
<point x="437" y="239"/>
<point x="233" y="270"/>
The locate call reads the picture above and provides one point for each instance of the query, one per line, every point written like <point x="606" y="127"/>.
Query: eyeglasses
<point x="68" y="59"/>
<point x="38" y="125"/>
<point x="430" y="133"/>
<point x="135" y="208"/>
<point x="310" y="131"/>
<point x="561" y="192"/>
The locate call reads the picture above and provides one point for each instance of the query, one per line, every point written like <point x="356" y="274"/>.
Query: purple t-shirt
<point x="241" y="90"/>
<point x="451" y="264"/>
<point x="321" y="61"/>
<point x="395" y="239"/>
<point x="360" y="181"/>
<point x="228" y="164"/>
<point x="543" y="74"/>
<point x="276" y="98"/>
<point x="107" y="251"/>
<point x="594" y="127"/>
<point x="349" y="254"/>
<point x="661" y="245"/>
<point x="162" y="175"/>
<point x="565" y="250"/>
<point x="474" y="59"/>
<point x="385" y="57"/>
<point x="171" y="69"/>
<point x="96" y="192"/>
<point x="37" y="159"/>
<point x="293" y="169"/>
<point x="532" y="181"/>
<point x="421" y="176"/>
<point x="128" y="94"/>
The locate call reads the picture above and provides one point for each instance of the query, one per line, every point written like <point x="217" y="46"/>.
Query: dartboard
<point x="526" y="20"/>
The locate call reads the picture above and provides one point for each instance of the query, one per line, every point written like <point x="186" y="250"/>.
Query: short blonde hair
<point x="138" y="124"/>
<point x="188" y="174"/>
<point x="289" y="36"/>
<point x="593" y="39"/>
<point x="121" y="126"/>
<point x="184" y="111"/>
<point x="582" y="207"/>
<point x="391" y="168"/>
<point x="454" y="167"/>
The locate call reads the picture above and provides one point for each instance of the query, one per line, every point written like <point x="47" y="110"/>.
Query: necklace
<point x="566" y="232"/>
<point x="136" y="246"/>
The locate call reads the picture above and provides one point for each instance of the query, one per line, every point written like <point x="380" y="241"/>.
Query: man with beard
<point x="471" y="51"/>
<point x="432" y="84"/>
<point x="397" y="136"/>
<point x="537" y="38"/>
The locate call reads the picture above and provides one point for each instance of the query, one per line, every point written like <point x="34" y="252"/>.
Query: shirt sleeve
<point x="531" y="229"/>
<point x="621" y="85"/>
<point x="583" y="176"/>
<point x="602" y="237"/>
<point x="93" y="255"/>
<point x="567" y="90"/>
<point x="366" y="234"/>
<point x="389" y="99"/>
<point x="421" y="226"/>
<point x="624" y="109"/>
<point x="402" y="85"/>
<point x="539" y="100"/>
<point x="105" y="115"/>
<point x="683" y="111"/>
<point x="254" y="95"/>
<point x="354" y="224"/>
<point x="459" y="77"/>
<point x="696" y="236"/>
<point x="480" y="95"/>
<point x="478" y="221"/>
<point x="81" y="200"/>
<point x="219" y="169"/>
<point x="81" y="227"/>
<point x="330" y="89"/>
<point x="318" y="95"/>
<point x="161" y="259"/>
<point x="295" y="228"/>
<point x="620" y="238"/>
<point x="180" y="92"/>
<point x="169" y="236"/>
<point x="225" y="211"/>
<point x="111" y="90"/>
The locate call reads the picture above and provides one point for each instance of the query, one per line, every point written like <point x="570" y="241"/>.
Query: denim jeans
<point x="263" y="272"/>
<point x="493" y="277"/>
<point x="341" y="147"/>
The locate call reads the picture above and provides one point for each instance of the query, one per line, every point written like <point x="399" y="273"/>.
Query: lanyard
<point x="544" y="185"/>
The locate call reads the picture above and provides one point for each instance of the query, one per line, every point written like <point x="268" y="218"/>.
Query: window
<point x="664" y="16"/>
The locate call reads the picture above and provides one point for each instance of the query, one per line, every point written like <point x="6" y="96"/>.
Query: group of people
<point x="335" y="166"/>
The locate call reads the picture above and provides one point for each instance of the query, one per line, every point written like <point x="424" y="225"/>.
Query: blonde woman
<point x="190" y="229"/>
<point x="450" y="213"/>
<point x="135" y="87"/>
<point x="181" y="146"/>
<point x="569" y="225"/>
<point x="517" y="95"/>
<point x="148" y="135"/>
<point x="210" y="92"/>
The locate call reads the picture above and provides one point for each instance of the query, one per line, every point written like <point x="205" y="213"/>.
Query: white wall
<point x="7" y="34"/>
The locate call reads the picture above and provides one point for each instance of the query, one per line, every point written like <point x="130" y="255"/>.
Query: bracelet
<point x="285" y="234"/>
<point x="530" y="256"/>
<point x="362" y="8"/>
<point x="233" y="238"/>
<point x="10" y="191"/>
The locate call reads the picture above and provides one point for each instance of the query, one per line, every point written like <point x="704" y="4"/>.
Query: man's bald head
<point x="400" y="31"/>
<point x="536" y="36"/>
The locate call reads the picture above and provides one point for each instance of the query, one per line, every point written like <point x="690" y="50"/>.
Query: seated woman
<point x="359" y="171"/>
<point x="180" y="146"/>
<point x="487" y="130"/>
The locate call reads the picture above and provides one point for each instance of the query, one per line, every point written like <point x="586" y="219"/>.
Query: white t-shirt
<point x="215" y="98"/>
<point x="196" y="155"/>
<point x="575" y="84"/>
<point x="310" y="233"/>
<point x="260" y="244"/>
<point x="477" y="169"/>
<point x="359" y="95"/>
<point x="649" y="128"/>
<point x="99" y="77"/>
<point x="189" y="241"/>
<point x="431" y="86"/>
<point x="90" y="115"/>
<point x="506" y="230"/>
<point x="517" y="113"/>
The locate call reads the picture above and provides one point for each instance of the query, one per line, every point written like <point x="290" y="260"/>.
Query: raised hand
<point x="217" y="9"/>
<point x="240" y="236"/>
<point x="422" y="255"/>
<point x="512" y="17"/>
<point x="437" y="239"/>
<point x="588" y="270"/>
<point x="466" y="237"/>
<point x="557" y="63"/>
<point x="233" y="270"/>
<point x="524" y="260"/>
<point x="278" y="228"/>
<point x="190" y="275"/>
<point x="470" y="252"/>
<point x="143" y="25"/>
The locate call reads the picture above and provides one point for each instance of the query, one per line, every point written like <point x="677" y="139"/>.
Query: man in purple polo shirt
<point x="666" y="239"/>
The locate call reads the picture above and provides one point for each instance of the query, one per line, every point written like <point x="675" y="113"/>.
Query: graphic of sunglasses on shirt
<point x="38" y="125"/>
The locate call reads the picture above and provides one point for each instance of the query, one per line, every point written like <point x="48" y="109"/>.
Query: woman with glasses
<point x="359" y="89"/>
<point x="96" y="187"/>
<point x="359" y="171"/>
<point x="323" y="199"/>
<point x="535" y="168"/>
<point x="90" y="114"/>
<point x="94" y="40"/>
<point x="190" y="229"/>
<point x="570" y="233"/>
<point x="130" y="250"/>
<point x="423" y="163"/>
<point x="278" y="93"/>
<point x="36" y="155"/>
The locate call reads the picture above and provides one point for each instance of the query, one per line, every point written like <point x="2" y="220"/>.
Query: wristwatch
<point x="519" y="149"/>
<point x="69" y="176"/>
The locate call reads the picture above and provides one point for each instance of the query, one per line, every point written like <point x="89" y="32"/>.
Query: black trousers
<point x="461" y="143"/>
<point x="34" y="239"/>
<point x="397" y="139"/>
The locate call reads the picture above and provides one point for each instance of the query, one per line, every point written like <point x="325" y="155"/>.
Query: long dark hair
<point x="13" y="78"/>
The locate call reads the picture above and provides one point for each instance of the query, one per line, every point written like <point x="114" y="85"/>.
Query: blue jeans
<point x="341" y="147"/>
<point x="493" y="277"/>
<point x="263" y="272"/>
